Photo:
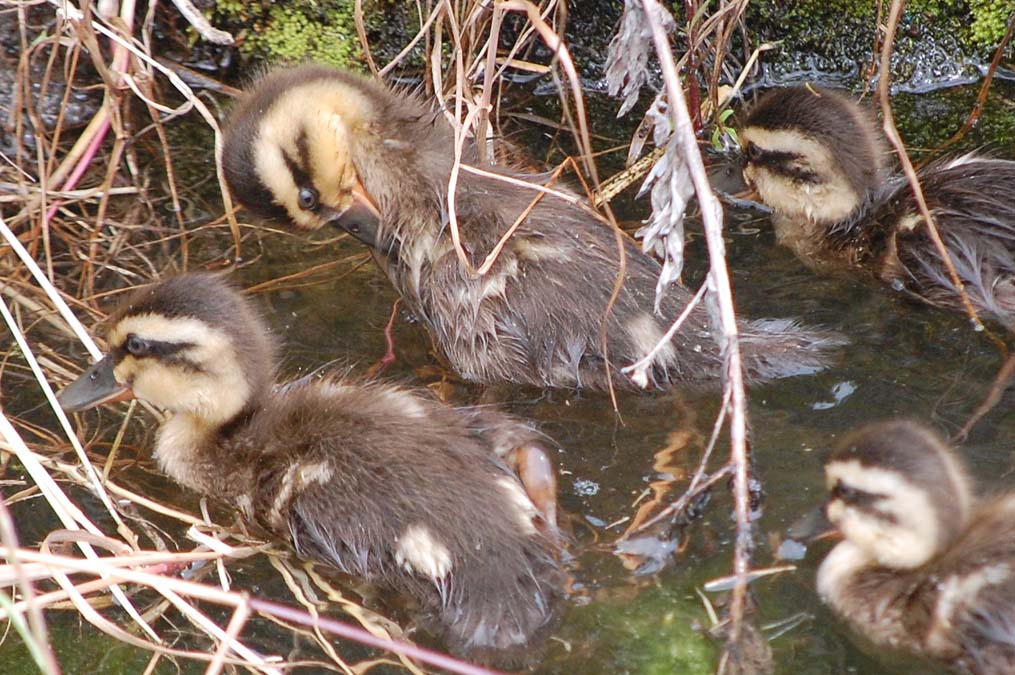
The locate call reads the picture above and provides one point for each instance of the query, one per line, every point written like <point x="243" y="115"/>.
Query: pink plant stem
<point x="121" y="58"/>
<point x="82" y="166"/>
<point x="389" y="338"/>
<point x="711" y="213"/>
<point x="361" y="636"/>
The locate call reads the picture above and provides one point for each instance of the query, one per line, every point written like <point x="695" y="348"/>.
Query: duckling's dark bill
<point x="95" y="386"/>
<point x="805" y="531"/>
<point x="361" y="220"/>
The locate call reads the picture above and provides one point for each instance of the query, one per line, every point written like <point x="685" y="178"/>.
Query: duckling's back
<point x="971" y="199"/>
<point x="392" y="487"/>
<point x="816" y="158"/>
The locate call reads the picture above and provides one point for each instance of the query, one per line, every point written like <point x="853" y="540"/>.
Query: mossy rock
<point x="323" y="30"/>
<point x="979" y="23"/>
<point x="82" y="648"/>
<point x="990" y="20"/>
<point x="938" y="41"/>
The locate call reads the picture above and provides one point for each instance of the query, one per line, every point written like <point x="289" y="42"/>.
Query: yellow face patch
<point x="828" y="200"/>
<point x="206" y="381"/>
<point x="902" y="530"/>
<point x="312" y="128"/>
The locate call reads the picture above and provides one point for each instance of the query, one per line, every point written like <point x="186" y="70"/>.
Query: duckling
<point x="315" y="147"/>
<point x="375" y="480"/>
<point x="924" y="566"/>
<point x="818" y="160"/>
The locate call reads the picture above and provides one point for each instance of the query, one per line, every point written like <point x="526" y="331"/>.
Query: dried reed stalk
<point x="719" y="285"/>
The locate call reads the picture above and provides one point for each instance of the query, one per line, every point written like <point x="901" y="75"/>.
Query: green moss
<point x="990" y="17"/>
<point x="651" y="631"/>
<point x="990" y="20"/>
<point x="80" y="648"/>
<point x="319" y="30"/>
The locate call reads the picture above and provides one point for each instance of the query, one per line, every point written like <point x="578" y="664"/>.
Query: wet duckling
<point x="315" y="146"/>
<point x="818" y="160"/>
<point x="925" y="566"/>
<point x="378" y="481"/>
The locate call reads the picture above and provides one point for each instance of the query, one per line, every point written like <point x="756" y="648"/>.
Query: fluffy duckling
<point x="818" y="160"/>
<point x="379" y="482"/>
<point x="925" y="566"/>
<point x="315" y="147"/>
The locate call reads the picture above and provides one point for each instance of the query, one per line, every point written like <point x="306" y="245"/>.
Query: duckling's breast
<point x="875" y="601"/>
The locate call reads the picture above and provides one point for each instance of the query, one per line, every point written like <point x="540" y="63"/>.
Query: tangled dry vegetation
<point x="101" y="193"/>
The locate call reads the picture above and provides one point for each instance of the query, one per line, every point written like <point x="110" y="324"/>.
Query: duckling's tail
<point x="775" y="348"/>
<point x="502" y="616"/>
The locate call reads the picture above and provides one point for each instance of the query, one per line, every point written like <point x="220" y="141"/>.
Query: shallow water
<point x="902" y="360"/>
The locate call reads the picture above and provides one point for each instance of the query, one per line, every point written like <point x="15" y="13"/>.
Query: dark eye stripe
<point x="300" y="177"/>
<point x="303" y="147"/>
<point x="166" y="352"/>
<point x="186" y="364"/>
<point x="800" y="175"/>
<point x="860" y="500"/>
<point x="775" y="156"/>
<point x="853" y="496"/>
<point x="784" y="162"/>
<point x="157" y="349"/>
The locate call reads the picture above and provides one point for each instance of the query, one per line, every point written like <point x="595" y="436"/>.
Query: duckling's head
<point x="897" y="494"/>
<point x="812" y="154"/>
<point x="190" y="344"/>
<point x="291" y="149"/>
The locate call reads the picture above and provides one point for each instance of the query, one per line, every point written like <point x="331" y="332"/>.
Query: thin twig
<point x="981" y="97"/>
<point x="196" y="19"/>
<point x="38" y="640"/>
<point x="180" y="587"/>
<point x="892" y="132"/>
<point x="719" y="284"/>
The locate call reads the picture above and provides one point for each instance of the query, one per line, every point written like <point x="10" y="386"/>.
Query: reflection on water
<point x="902" y="360"/>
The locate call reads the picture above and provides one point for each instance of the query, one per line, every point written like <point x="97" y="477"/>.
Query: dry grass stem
<point x="719" y="291"/>
<point x="892" y="132"/>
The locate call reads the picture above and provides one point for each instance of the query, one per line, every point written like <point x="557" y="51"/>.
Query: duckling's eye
<point x="136" y="346"/>
<point x="844" y="492"/>
<point x="854" y="496"/>
<point x="752" y="151"/>
<point x="308" y="198"/>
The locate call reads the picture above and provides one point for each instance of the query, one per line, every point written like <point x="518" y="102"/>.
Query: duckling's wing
<point x="988" y="636"/>
<point x="973" y="204"/>
<point x="323" y="517"/>
<point x="444" y="540"/>
<point x="975" y="582"/>
<point x="552" y="287"/>
<point x="539" y="311"/>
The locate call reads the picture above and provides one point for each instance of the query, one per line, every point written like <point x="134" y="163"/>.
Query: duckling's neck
<point x="839" y="570"/>
<point x="868" y="595"/>
<point x="188" y="450"/>
<point x="807" y="238"/>
<point x="846" y="237"/>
